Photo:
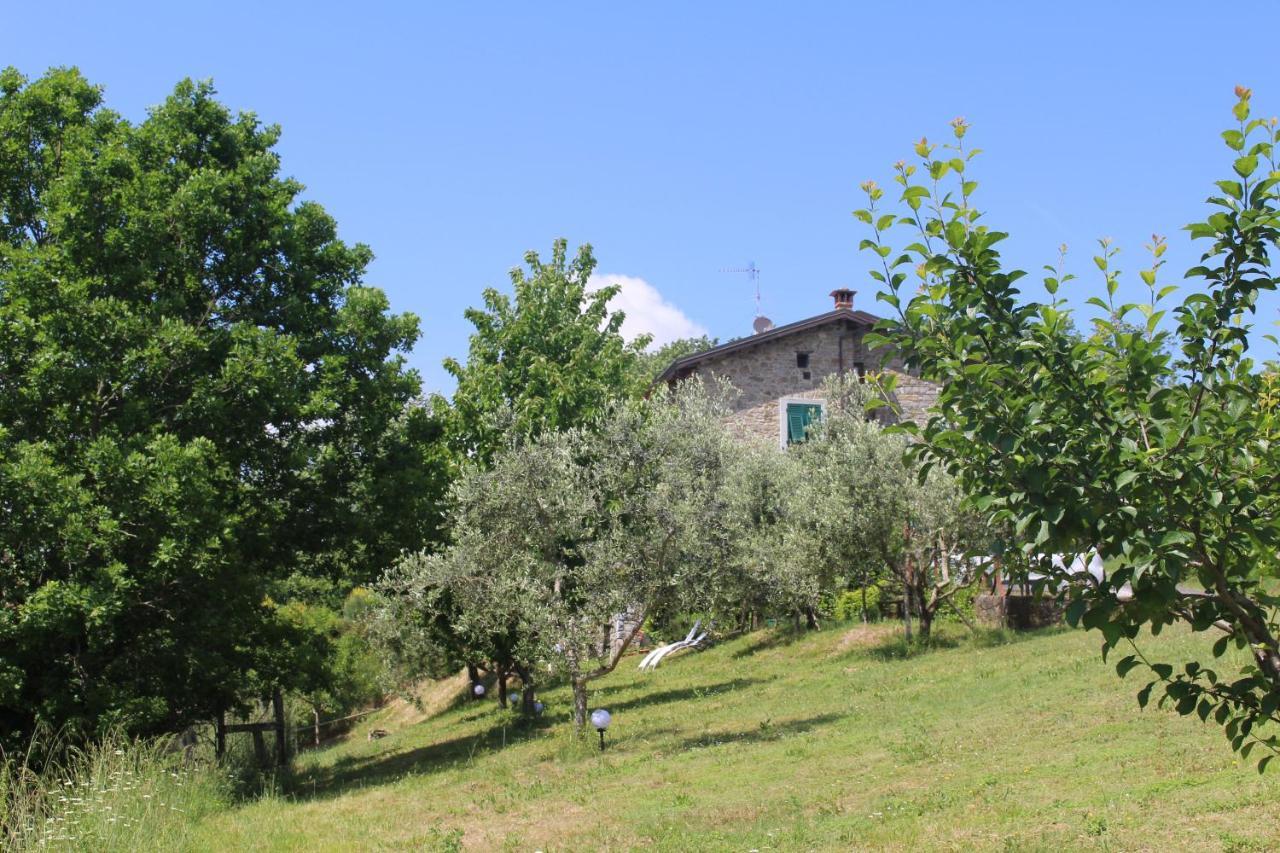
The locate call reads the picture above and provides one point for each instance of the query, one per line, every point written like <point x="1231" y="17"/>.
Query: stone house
<point x="779" y="371"/>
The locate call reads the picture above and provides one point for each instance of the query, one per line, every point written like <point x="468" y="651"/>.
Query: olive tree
<point x="1156" y="446"/>
<point x="569" y="541"/>
<point x="863" y="511"/>
<point x="767" y="577"/>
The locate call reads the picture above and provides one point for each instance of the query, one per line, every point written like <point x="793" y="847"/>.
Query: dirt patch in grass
<point x="430" y="698"/>
<point x="863" y="636"/>
<point x="548" y="824"/>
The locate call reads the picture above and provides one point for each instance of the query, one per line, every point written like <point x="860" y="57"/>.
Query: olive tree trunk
<point x="579" y="703"/>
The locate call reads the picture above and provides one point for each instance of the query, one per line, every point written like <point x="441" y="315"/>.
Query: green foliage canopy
<point x="652" y="362"/>
<point x="198" y="398"/>
<point x="863" y="512"/>
<point x="550" y="358"/>
<point x="1156" y="446"/>
<point x="565" y="533"/>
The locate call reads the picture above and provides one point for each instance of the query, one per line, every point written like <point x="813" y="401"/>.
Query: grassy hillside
<point x="832" y="741"/>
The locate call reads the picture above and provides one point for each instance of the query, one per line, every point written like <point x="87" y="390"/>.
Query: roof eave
<point x="846" y="314"/>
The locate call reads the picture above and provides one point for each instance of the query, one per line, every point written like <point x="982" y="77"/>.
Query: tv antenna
<point x="762" y="323"/>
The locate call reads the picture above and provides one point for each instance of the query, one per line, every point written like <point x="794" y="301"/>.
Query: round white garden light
<point x="478" y="690"/>
<point x="601" y="718"/>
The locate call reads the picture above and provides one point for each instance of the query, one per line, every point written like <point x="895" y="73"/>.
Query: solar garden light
<point x="601" y="719"/>
<point x="478" y="691"/>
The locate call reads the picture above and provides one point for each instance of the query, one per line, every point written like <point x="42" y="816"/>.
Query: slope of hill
<point x="830" y="741"/>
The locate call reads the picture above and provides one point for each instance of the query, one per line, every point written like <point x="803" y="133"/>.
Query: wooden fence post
<point x="277" y="704"/>
<point x="220" y="735"/>
<point x="259" y="748"/>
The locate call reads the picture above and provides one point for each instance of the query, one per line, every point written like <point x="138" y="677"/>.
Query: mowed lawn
<point x="830" y="741"/>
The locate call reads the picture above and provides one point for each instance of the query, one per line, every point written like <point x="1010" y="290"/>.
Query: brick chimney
<point x="844" y="298"/>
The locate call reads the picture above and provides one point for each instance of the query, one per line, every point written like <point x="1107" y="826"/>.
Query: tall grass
<point x="118" y="794"/>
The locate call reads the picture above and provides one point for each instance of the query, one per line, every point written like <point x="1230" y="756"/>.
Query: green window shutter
<point x="795" y="424"/>
<point x="799" y="417"/>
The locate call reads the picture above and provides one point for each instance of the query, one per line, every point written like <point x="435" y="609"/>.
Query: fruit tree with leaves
<point x="1158" y="446"/>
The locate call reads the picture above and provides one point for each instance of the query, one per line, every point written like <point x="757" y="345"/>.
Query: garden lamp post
<point x="601" y="719"/>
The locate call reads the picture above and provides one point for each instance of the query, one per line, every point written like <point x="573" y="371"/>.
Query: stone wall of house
<point x="768" y="373"/>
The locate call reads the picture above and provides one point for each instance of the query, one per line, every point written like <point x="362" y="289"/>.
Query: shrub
<point x="344" y="672"/>
<point x="963" y="602"/>
<point x="849" y="604"/>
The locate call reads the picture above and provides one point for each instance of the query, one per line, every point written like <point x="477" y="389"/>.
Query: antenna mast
<point x="753" y="276"/>
<point x="762" y="323"/>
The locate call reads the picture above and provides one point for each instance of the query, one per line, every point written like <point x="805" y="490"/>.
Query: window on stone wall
<point x="802" y="360"/>
<point x="800" y="417"/>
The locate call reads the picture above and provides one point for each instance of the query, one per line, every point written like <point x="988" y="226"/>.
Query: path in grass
<point x="831" y="741"/>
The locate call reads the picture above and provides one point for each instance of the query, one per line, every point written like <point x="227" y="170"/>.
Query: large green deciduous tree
<point x="550" y="358"/>
<point x="198" y="398"/>
<point x="1158" y="447"/>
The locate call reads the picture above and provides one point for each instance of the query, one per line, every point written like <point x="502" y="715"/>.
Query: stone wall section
<point x="767" y="373"/>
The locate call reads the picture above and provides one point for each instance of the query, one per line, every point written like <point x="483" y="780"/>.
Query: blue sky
<point x="683" y="139"/>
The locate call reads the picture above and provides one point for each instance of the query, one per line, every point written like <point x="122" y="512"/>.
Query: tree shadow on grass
<point x="896" y="647"/>
<point x="361" y="771"/>
<point x="771" y="638"/>
<point x="763" y="732"/>
<point x="695" y="691"/>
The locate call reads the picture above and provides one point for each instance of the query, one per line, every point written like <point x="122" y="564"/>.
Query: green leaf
<point x="1126" y="477"/>
<point x="1246" y="165"/>
<point x="1075" y="610"/>
<point x="1231" y="188"/>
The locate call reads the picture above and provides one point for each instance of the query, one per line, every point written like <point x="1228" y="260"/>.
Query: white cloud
<point x="647" y="312"/>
